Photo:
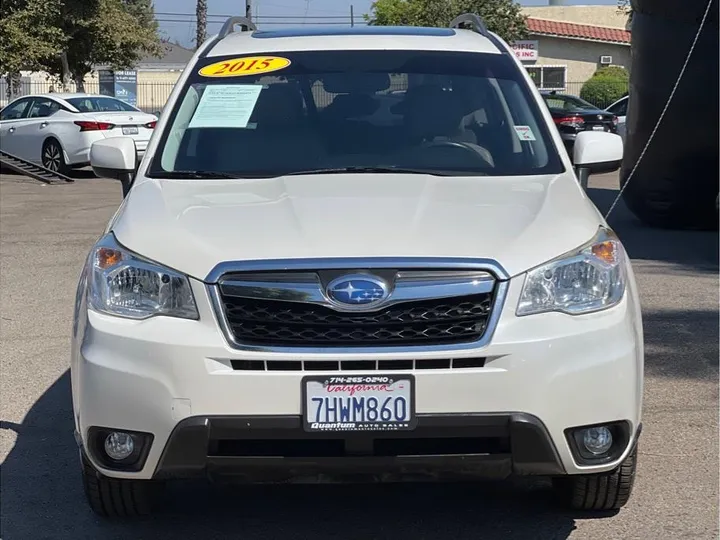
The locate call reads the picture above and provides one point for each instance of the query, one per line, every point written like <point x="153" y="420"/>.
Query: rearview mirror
<point x="596" y="150"/>
<point x="115" y="158"/>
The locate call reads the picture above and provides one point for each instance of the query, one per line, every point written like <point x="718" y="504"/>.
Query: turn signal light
<point x="86" y="125"/>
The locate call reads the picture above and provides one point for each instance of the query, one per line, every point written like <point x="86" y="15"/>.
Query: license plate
<point x="130" y="130"/>
<point x="598" y="128"/>
<point x="359" y="403"/>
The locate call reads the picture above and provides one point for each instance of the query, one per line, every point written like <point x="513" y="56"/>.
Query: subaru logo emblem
<point x="357" y="290"/>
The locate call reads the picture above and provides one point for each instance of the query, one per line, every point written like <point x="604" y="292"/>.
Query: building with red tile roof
<point x="567" y="44"/>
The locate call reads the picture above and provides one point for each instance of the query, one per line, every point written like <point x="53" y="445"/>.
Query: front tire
<point x="117" y="497"/>
<point x="599" y="492"/>
<point x="53" y="158"/>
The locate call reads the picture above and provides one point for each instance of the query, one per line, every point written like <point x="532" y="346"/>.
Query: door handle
<point x="44" y="124"/>
<point x="11" y="130"/>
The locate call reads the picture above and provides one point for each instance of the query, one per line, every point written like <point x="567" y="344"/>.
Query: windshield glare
<point x="437" y="112"/>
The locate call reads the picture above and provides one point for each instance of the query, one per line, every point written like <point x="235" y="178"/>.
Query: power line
<point x="263" y="21"/>
<point x="224" y="17"/>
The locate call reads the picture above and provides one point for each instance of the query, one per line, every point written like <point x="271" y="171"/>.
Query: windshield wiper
<point x="379" y="169"/>
<point x="204" y="174"/>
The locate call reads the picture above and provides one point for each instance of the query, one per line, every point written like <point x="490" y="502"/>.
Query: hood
<point x="192" y="225"/>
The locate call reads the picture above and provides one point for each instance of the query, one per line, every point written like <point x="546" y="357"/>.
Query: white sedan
<point x="619" y="109"/>
<point x="57" y="130"/>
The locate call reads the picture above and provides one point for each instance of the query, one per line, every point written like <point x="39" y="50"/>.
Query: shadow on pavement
<point x="43" y="498"/>
<point x="695" y="249"/>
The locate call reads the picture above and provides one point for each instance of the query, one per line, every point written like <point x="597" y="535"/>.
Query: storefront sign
<point x="526" y="51"/>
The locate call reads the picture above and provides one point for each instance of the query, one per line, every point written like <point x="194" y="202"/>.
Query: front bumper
<point x="170" y="378"/>
<point x="272" y="448"/>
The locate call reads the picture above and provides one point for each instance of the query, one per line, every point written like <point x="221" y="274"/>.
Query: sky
<point x="276" y="13"/>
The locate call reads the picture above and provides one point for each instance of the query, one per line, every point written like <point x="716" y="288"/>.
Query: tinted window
<point x="100" y="104"/>
<point x="566" y="103"/>
<point x="15" y="110"/>
<point x="42" y="108"/>
<point x="619" y="108"/>
<point x="436" y="112"/>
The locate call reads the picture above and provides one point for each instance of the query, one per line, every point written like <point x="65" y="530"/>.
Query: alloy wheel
<point x="51" y="157"/>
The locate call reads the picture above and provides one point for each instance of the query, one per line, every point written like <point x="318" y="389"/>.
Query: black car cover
<point x="676" y="183"/>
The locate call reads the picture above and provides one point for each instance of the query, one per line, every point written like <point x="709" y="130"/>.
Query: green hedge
<point x="606" y="86"/>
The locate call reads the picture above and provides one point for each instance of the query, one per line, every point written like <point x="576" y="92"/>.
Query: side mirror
<point x="596" y="150"/>
<point x="115" y="158"/>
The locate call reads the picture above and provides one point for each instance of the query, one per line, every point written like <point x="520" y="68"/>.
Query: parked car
<point x="619" y="109"/>
<point x="573" y="115"/>
<point x="296" y="285"/>
<point x="57" y="130"/>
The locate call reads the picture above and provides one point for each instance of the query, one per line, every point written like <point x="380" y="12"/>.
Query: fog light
<point x="597" y="440"/>
<point x="119" y="445"/>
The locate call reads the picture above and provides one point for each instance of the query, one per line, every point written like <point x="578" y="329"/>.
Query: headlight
<point x="121" y="283"/>
<point x="590" y="279"/>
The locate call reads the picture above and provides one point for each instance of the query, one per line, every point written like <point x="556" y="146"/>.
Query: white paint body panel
<point x="566" y="370"/>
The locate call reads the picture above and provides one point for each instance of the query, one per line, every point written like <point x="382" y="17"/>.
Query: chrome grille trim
<point x="413" y="270"/>
<point x="308" y="288"/>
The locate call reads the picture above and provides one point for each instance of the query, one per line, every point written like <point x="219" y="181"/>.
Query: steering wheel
<point x="477" y="151"/>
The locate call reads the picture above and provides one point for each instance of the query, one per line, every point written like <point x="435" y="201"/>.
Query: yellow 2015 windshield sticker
<point x="240" y="67"/>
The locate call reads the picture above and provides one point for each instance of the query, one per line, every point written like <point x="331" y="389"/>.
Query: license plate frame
<point x="130" y="130"/>
<point x="354" y="425"/>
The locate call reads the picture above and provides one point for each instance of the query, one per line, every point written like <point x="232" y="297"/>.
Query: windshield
<point x="568" y="103"/>
<point x="442" y="113"/>
<point x="100" y="104"/>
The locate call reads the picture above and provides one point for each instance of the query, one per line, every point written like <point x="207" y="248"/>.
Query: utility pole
<point x="352" y="15"/>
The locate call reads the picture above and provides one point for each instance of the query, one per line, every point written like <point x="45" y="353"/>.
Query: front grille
<point x="357" y="365"/>
<point x="424" y="322"/>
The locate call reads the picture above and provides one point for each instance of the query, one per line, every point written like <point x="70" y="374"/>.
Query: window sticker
<point x="524" y="133"/>
<point x="241" y="67"/>
<point x="226" y="106"/>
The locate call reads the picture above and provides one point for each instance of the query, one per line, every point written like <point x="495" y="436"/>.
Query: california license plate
<point x="359" y="403"/>
<point x="130" y="130"/>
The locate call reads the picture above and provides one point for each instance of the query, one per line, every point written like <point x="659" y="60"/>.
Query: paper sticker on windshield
<point x="524" y="133"/>
<point x="226" y="106"/>
<point x="240" y="67"/>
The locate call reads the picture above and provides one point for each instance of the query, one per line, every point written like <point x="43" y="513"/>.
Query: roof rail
<point x="478" y="25"/>
<point x="229" y="26"/>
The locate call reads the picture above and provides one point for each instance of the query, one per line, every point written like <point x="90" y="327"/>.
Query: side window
<point x="619" y="109"/>
<point x="15" y="110"/>
<point x="42" y="108"/>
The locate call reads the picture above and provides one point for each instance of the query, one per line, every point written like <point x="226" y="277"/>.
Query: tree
<point x="116" y="33"/>
<point x="606" y="86"/>
<point x="504" y="17"/>
<point x="26" y="41"/>
<point x="201" y="14"/>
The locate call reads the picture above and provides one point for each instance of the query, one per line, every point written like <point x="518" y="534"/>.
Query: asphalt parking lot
<point x="45" y="233"/>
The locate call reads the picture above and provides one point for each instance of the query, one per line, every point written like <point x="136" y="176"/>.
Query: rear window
<point x="100" y="104"/>
<point x="439" y="112"/>
<point x="568" y="103"/>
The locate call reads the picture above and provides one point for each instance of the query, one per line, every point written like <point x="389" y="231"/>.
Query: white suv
<point x="361" y="250"/>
